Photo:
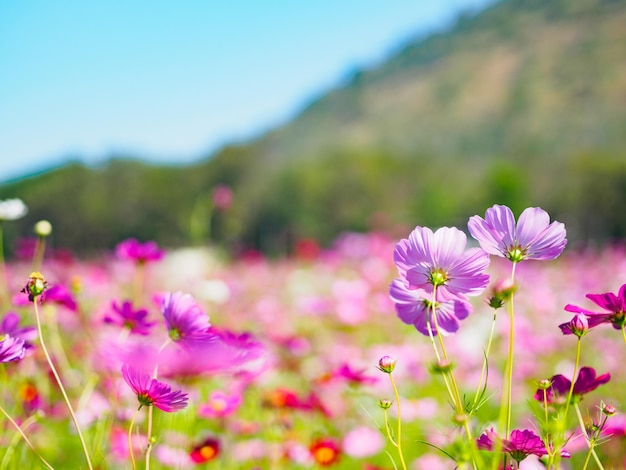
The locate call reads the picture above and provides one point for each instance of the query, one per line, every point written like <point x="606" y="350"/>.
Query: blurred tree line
<point x="94" y="208"/>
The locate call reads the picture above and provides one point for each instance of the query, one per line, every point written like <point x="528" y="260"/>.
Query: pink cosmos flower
<point x="11" y="349"/>
<point x="534" y="237"/>
<point x="152" y="392"/>
<point x="126" y="317"/>
<point x="560" y="386"/>
<point x="133" y="250"/>
<point x="520" y="445"/>
<point x="428" y="259"/>
<point x="220" y="405"/>
<point x="414" y="307"/>
<point x="615" y="304"/>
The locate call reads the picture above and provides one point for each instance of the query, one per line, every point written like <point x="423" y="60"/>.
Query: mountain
<point x="522" y="104"/>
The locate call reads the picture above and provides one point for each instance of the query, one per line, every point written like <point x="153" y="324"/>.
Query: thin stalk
<point x="40" y="249"/>
<point x="60" y="384"/>
<point x="21" y="433"/>
<point x="138" y="282"/>
<point x="484" y="368"/>
<point x="455" y="394"/>
<point x="559" y="444"/>
<point x="591" y="444"/>
<point x="399" y="432"/>
<point x="624" y="333"/>
<point x="155" y="373"/>
<point x="130" y="438"/>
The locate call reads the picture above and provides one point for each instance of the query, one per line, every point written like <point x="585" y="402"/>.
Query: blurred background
<point x="278" y="126"/>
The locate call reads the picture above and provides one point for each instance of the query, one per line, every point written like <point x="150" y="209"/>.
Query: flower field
<point x="186" y="358"/>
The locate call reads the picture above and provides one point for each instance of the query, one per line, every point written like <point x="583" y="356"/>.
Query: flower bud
<point x="608" y="410"/>
<point x="387" y="364"/>
<point x="385" y="404"/>
<point x="578" y="325"/>
<point x="35" y="286"/>
<point x="441" y="367"/>
<point x="43" y="228"/>
<point x="544" y="384"/>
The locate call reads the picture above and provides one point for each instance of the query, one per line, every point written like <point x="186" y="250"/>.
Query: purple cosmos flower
<point x="615" y="304"/>
<point x="560" y="386"/>
<point x="520" y="445"/>
<point x="414" y="307"/>
<point x="184" y="318"/>
<point x="428" y="259"/>
<point x="134" y="250"/>
<point x="534" y="237"/>
<point x="11" y="326"/>
<point x="11" y="349"/>
<point x="152" y="392"/>
<point x="126" y="317"/>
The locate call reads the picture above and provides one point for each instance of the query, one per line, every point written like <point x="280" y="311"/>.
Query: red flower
<point x="325" y="451"/>
<point x="209" y="449"/>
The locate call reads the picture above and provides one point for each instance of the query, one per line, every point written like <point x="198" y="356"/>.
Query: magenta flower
<point x="520" y="445"/>
<point x="534" y="237"/>
<point x="414" y="307"/>
<point x="184" y="318"/>
<point x="126" y="317"/>
<point x="134" y="250"/>
<point x="61" y="295"/>
<point x="615" y="304"/>
<point x="152" y="392"/>
<point x="427" y="260"/>
<point x="560" y="386"/>
<point x="11" y="349"/>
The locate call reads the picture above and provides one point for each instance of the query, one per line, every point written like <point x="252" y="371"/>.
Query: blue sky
<point x="172" y="81"/>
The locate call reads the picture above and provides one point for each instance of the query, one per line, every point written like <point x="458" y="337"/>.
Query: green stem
<point x="40" y="249"/>
<point x="590" y="443"/>
<point x="21" y="433"/>
<point x="454" y="389"/>
<point x="624" y="333"/>
<point x="399" y="434"/>
<point x="155" y="373"/>
<point x="60" y="384"/>
<point x="485" y="361"/>
<point x="130" y="438"/>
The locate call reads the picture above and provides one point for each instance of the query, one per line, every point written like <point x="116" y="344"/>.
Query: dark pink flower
<point x="152" y="392"/>
<point x="520" y="444"/>
<point x="427" y="260"/>
<point x="11" y="349"/>
<point x="614" y="304"/>
<point x="533" y="237"/>
<point x="61" y="295"/>
<point x="414" y="307"/>
<point x="126" y="317"/>
<point x="133" y="250"/>
<point x="222" y="197"/>
<point x="560" y="386"/>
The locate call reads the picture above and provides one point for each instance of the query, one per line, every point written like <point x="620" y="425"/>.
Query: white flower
<point x="12" y="209"/>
